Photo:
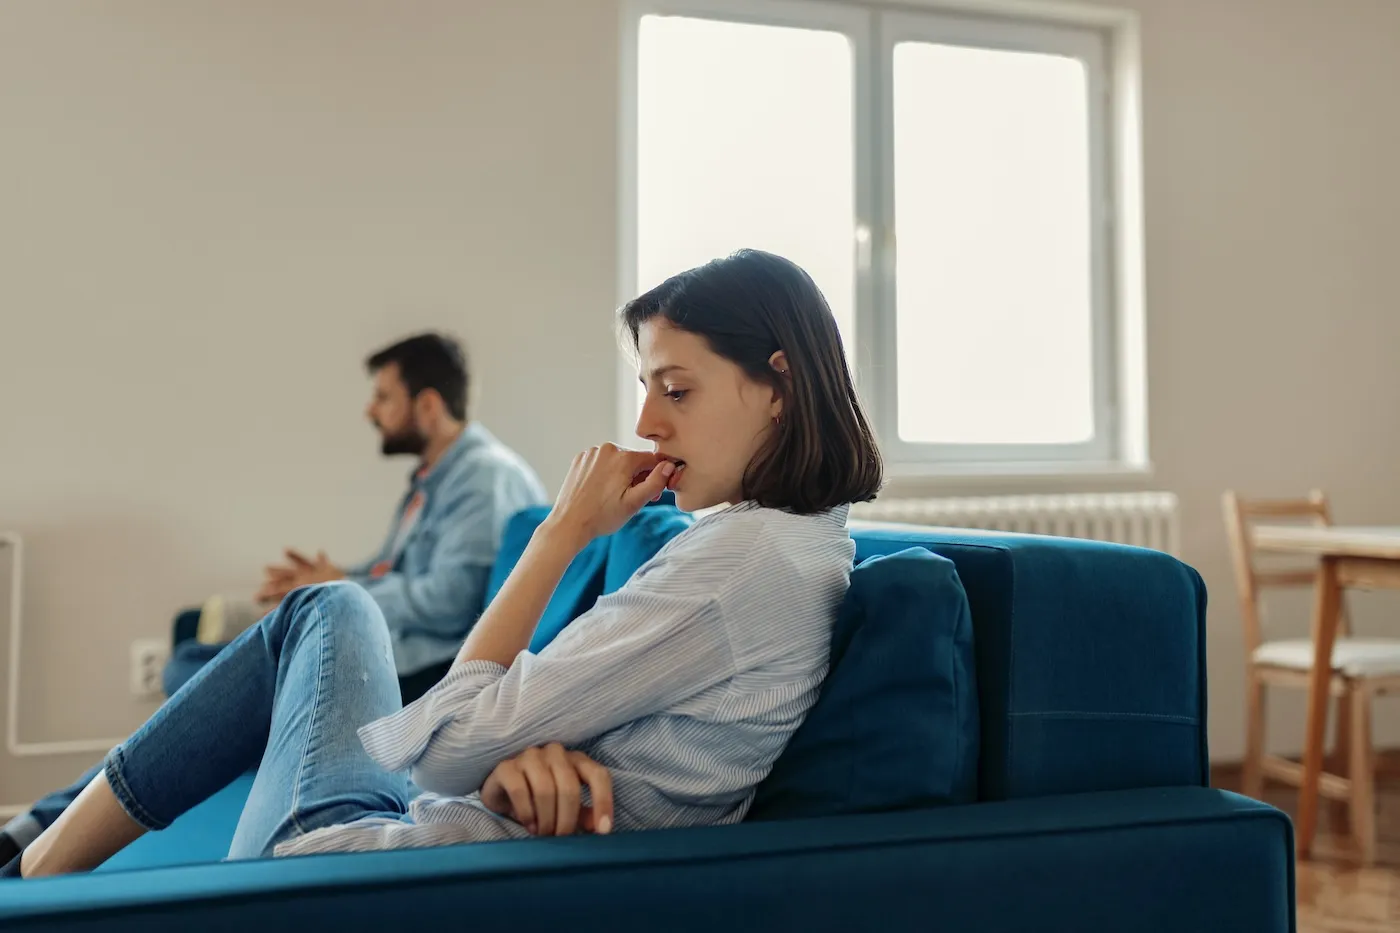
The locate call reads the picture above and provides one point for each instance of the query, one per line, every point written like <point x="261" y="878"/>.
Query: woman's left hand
<point x="542" y="790"/>
<point x="603" y="489"/>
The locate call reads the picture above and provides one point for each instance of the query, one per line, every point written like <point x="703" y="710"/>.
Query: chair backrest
<point x="1240" y="516"/>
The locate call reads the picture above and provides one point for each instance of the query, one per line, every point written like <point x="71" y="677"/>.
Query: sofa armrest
<point x="1168" y="859"/>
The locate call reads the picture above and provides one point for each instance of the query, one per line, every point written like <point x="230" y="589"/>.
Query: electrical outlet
<point x="148" y="656"/>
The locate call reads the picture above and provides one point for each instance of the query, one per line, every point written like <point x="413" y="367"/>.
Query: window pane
<point x="992" y="220"/>
<point x="744" y="140"/>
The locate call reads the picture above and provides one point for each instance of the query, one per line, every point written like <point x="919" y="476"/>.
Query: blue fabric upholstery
<point x="1092" y="812"/>
<point x="514" y="539"/>
<point x="1091" y="667"/>
<point x="578" y="590"/>
<point x="1161" y="860"/>
<point x="895" y="727"/>
<point x="602" y="566"/>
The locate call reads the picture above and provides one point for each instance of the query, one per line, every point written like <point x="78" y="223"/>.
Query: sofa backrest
<point x="1090" y="659"/>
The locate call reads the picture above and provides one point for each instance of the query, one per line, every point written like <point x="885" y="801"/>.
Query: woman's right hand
<point x="541" y="789"/>
<point x="606" y="486"/>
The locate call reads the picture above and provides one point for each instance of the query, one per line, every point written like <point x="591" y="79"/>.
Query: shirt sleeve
<point x="452" y="585"/>
<point x="637" y="652"/>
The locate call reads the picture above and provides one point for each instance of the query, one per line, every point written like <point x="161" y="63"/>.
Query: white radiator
<point x="1145" y="519"/>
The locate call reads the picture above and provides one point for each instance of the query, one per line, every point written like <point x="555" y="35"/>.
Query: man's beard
<point x="408" y="441"/>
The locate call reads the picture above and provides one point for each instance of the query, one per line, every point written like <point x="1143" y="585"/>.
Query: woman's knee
<point x="343" y="605"/>
<point x="347" y="604"/>
<point x="343" y="598"/>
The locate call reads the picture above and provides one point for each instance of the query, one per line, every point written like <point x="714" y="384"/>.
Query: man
<point x="429" y="577"/>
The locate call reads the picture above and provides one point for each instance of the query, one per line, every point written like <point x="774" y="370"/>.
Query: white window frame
<point x="1106" y="40"/>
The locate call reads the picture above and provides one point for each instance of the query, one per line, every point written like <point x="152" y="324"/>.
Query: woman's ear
<point x="779" y="362"/>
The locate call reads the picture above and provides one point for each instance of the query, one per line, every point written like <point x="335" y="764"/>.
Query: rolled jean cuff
<point x="115" y="769"/>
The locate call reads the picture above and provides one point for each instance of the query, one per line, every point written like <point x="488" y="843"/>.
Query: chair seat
<point x="1354" y="657"/>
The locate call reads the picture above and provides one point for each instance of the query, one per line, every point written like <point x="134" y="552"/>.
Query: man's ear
<point x="428" y="407"/>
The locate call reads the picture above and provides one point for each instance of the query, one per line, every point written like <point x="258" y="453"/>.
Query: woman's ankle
<point x="91" y="830"/>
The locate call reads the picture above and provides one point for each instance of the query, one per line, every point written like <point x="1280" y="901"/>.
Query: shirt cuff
<point x="397" y="742"/>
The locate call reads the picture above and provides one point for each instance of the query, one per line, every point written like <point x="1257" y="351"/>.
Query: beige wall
<point x="210" y="211"/>
<point x="1274" y="319"/>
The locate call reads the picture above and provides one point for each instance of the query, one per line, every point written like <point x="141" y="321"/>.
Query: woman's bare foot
<point x="90" y="831"/>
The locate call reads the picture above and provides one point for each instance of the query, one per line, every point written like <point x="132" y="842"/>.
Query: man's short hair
<point x="429" y="361"/>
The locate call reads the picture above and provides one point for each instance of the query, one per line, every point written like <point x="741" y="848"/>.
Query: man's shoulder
<point x="489" y="465"/>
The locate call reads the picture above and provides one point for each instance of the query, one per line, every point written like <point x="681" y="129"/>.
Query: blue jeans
<point x="286" y="697"/>
<point x="187" y="660"/>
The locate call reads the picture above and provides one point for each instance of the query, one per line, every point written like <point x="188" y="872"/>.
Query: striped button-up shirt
<point x="686" y="684"/>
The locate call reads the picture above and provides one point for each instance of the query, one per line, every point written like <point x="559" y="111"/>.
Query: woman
<point x="669" y="700"/>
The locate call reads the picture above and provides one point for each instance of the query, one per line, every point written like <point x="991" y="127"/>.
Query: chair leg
<point x="1363" y="776"/>
<point x="1252" y="777"/>
<point x="1341" y="742"/>
<point x="1339" y="761"/>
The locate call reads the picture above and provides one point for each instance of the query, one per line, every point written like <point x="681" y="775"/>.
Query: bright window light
<point x="992" y="223"/>
<point x="744" y="139"/>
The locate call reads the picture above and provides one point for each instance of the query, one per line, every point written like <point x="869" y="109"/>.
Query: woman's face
<point x="701" y="410"/>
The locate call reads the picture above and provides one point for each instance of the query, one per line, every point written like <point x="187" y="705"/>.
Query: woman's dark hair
<point x="429" y="361"/>
<point x="749" y="306"/>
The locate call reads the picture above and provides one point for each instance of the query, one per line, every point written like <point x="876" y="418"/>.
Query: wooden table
<point x="1363" y="557"/>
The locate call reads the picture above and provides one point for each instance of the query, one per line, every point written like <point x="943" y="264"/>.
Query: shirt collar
<point x="473" y="435"/>
<point x="837" y="515"/>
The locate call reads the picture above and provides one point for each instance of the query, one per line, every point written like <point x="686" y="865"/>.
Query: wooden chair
<point x="1361" y="668"/>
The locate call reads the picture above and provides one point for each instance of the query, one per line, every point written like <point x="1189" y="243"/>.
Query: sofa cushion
<point x="601" y="567"/>
<point x="895" y="726"/>
<point x="578" y="589"/>
<point x="639" y="540"/>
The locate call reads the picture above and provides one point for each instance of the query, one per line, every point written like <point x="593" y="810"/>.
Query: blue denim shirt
<point x="429" y="578"/>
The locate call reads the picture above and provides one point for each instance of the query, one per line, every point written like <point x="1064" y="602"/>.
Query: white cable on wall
<point x="11" y="542"/>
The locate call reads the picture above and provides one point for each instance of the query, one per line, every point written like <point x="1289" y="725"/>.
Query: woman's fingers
<point x="568" y="791"/>
<point x="508" y="793"/>
<point x="599" y="494"/>
<point x="542" y="790"/>
<point x="518" y="791"/>
<point x="541" y="781"/>
<point x="599" y="817"/>
<point x="651" y="488"/>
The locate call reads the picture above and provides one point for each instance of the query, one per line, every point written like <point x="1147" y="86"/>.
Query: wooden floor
<point x="1335" y="895"/>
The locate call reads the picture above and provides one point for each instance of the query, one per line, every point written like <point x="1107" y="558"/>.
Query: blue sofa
<point x="1087" y="806"/>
